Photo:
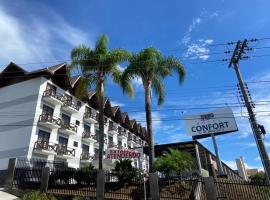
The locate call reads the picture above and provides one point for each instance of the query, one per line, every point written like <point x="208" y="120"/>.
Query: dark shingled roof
<point x="74" y="79"/>
<point x="114" y="109"/>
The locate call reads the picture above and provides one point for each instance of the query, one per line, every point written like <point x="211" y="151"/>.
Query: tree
<point x="152" y="67"/>
<point x="174" y="162"/>
<point x="259" y="177"/>
<point x="96" y="66"/>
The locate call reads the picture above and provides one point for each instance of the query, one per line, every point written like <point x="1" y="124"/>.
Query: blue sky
<point x="41" y="31"/>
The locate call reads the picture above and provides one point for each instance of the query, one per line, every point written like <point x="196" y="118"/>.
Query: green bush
<point x="85" y="175"/>
<point x="124" y="171"/>
<point x="174" y="162"/>
<point x="38" y="196"/>
<point x="259" y="178"/>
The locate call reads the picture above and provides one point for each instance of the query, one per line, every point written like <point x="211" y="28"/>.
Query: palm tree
<point x="96" y="66"/>
<point x="152" y="67"/>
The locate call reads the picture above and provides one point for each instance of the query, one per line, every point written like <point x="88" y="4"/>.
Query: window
<point x="68" y="99"/>
<point x="75" y="144"/>
<point x="51" y="89"/>
<point x="86" y="128"/>
<point x="110" y="139"/>
<point x="63" y="141"/>
<point x="77" y="123"/>
<point x="119" y="143"/>
<point x="85" y="148"/>
<point x="47" y="110"/>
<point x="65" y="119"/>
<point x="87" y="110"/>
<point x="43" y="136"/>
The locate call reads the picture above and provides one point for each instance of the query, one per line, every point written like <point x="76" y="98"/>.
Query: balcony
<point x="97" y="141"/>
<point x="69" y="129"/>
<point x="49" y="121"/>
<point x="113" y="129"/>
<point x="89" y="137"/>
<point x="122" y="134"/>
<point x="45" y="147"/>
<point x="90" y="118"/>
<point x="131" y="140"/>
<point x="70" y="106"/>
<point x="65" y="152"/>
<point x="50" y="96"/>
<point x="86" y="157"/>
<point x="112" y="145"/>
<point x="121" y="147"/>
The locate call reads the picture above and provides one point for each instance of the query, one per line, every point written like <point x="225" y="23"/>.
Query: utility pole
<point x="237" y="55"/>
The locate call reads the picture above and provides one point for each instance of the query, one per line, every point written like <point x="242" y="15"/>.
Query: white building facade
<point x="42" y="119"/>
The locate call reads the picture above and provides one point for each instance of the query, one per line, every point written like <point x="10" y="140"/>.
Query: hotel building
<point x="41" y="118"/>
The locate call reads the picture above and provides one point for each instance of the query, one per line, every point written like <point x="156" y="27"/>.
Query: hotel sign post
<point x="210" y="124"/>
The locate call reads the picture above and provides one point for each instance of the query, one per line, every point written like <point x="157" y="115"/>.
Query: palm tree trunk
<point x="148" y="113"/>
<point x="101" y="120"/>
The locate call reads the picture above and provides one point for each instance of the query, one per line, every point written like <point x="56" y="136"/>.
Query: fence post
<point x="10" y="174"/>
<point x="100" y="185"/>
<point x="154" y="187"/>
<point x="210" y="188"/>
<point x="45" y="179"/>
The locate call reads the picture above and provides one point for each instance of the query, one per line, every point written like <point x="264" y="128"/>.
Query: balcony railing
<point x="88" y="134"/>
<point x="130" y="138"/>
<point x="112" y="145"/>
<point x="120" y="146"/>
<point x="123" y="133"/>
<point x="89" y="115"/>
<point x="71" y="104"/>
<point x="113" y="128"/>
<point x="64" y="150"/>
<point x="52" y="93"/>
<point x="86" y="156"/>
<point x="69" y="126"/>
<point x="45" y="145"/>
<point x="47" y="117"/>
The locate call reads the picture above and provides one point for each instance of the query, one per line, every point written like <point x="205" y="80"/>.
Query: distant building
<point x="251" y="172"/>
<point x="241" y="168"/>
<point x="203" y="157"/>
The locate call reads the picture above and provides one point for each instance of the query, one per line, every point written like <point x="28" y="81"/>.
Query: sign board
<point x="218" y="122"/>
<point x="122" y="154"/>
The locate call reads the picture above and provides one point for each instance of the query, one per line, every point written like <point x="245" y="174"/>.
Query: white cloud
<point x="138" y="84"/>
<point x="35" y="40"/>
<point x="231" y="164"/>
<point x="116" y="103"/>
<point x="197" y="49"/>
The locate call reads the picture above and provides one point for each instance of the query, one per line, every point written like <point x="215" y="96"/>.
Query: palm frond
<point x="176" y="66"/>
<point x="102" y="45"/>
<point x="159" y="88"/>
<point x="118" y="55"/>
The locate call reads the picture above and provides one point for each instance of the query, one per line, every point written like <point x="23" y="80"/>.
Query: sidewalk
<point x="7" y="196"/>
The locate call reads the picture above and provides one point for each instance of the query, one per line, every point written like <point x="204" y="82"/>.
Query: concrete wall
<point x="17" y="115"/>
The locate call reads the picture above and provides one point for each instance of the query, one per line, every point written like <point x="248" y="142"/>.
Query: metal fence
<point x="75" y="182"/>
<point x="241" y="190"/>
<point x="2" y="177"/>
<point x="27" y="178"/>
<point x="128" y="185"/>
<point x="181" y="188"/>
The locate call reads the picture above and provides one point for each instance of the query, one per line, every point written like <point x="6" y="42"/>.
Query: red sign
<point x="122" y="154"/>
